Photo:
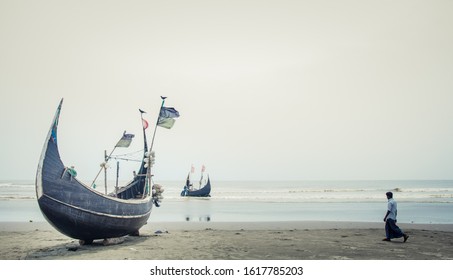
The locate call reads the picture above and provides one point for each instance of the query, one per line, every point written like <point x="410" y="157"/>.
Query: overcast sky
<point x="270" y="90"/>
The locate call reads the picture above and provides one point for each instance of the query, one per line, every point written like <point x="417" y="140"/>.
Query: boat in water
<point x="80" y="211"/>
<point x="204" y="187"/>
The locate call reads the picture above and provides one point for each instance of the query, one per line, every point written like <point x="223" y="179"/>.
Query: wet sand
<point x="234" y="241"/>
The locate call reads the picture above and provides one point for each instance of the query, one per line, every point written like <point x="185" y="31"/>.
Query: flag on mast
<point x="125" y="141"/>
<point x="167" y="123"/>
<point x="167" y="117"/>
<point x="145" y="124"/>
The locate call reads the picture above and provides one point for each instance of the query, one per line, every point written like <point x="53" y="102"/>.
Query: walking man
<point x="391" y="229"/>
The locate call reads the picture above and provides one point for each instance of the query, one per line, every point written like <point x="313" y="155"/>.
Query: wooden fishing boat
<point x="81" y="212"/>
<point x="201" y="191"/>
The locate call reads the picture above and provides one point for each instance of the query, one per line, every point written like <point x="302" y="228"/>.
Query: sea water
<point x="255" y="201"/>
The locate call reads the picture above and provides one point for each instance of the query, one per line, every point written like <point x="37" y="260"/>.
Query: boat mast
<point x="147" y="156"/>
<point x="104" y="166"/>
<point x="105" y="171"/>
<point x="117" y="176"/>
<point x="150" y="151"/>
<point x="201" y="178"/>
<point x="107" y="158"/>
<point x="157" y="122"/>
<point x="192" y="171"/>
<point x="144" y="129"/>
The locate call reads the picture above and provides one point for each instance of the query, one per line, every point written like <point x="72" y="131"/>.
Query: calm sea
<point x="249" y="201"/>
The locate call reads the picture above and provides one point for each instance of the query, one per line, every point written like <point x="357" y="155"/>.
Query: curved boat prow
<point x="51" y="136"/>
<point x="78" y="210"/>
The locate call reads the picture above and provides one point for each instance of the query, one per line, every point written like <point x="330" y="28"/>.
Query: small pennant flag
<point x="145" y="124"/>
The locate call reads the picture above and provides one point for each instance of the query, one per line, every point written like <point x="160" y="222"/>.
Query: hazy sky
<point x="271" y="90"/>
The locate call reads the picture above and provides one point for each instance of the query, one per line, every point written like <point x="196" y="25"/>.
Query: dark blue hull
<point x="87" y="225"/>
<point x="81" y="212"/>
<point x="203" y="192"/>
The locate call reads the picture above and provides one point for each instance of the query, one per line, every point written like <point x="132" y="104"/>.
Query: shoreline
<point x="305" y="240"/>
<point x="283" y="225"/>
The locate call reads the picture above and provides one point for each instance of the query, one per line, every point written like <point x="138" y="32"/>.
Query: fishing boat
<point x="203" y="190"/>
<point x="80" y="211"/>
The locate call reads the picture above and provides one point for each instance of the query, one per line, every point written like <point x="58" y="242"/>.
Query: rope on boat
<point x="125" y="159"/>
<point x="156" y="189"/>
<point x="132" y="156"/>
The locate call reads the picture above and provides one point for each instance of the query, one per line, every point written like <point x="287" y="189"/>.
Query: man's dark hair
<point x="389" y="194"/>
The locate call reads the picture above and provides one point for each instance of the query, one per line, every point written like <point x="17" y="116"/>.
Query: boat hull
<point x="79" y="211"/>
<point x="203" y="192"/>
<point x="88" y="225"/>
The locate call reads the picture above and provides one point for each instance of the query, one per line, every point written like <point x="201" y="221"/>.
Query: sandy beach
<point x="234" y="241"/>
